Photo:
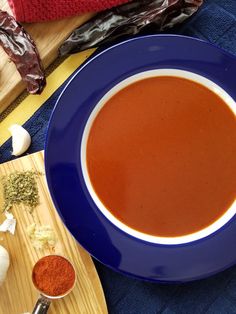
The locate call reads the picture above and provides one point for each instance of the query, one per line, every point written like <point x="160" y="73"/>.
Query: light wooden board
<point x="48" y="37"/>
<point x="17" y="295"/>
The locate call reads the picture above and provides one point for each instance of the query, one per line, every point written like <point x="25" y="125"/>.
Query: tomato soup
<point x="161" y="156"/>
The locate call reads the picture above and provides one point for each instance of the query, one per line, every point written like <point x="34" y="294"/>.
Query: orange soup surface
<point x="161" y="156"/>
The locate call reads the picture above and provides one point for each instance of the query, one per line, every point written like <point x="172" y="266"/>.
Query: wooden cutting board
<point x="48" y="37"/>
<point x="18" y="295"/>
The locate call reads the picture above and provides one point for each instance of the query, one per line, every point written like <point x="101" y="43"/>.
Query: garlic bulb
<point x="4" y="264"/>
<point x="21" y="139"/>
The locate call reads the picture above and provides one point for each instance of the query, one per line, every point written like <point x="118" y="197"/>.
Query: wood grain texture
<point x="18" y="295"/>
<point x="48" y="36"/>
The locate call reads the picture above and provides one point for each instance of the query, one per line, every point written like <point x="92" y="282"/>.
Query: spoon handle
<point x="42" y="305"/>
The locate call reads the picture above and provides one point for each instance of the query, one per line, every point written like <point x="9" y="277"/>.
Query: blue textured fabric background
<point x="215" y="22"/>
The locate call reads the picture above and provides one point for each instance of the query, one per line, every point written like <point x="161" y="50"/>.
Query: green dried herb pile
<point x="20" y="187"/>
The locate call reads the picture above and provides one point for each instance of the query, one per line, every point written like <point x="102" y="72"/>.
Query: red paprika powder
<point x="53" y="275"/>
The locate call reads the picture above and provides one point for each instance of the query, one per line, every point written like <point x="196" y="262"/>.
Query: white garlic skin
<point x="4" y="264"/>
<point x="21" y="139"/>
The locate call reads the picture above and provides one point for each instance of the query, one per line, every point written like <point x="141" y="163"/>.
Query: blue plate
<point x="103" y="240"/>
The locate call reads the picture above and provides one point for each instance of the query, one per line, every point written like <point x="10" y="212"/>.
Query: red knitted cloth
<point x="44" y="10"/>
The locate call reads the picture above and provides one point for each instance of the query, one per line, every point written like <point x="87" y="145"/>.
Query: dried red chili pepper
<point x="22" y="50"/>
<point x="129" y="19"/>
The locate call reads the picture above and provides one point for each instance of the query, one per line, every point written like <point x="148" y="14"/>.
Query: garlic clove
<point x="4" y="264"/>
<point x="21" y="139"/>
<point x="9" y="224"/>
